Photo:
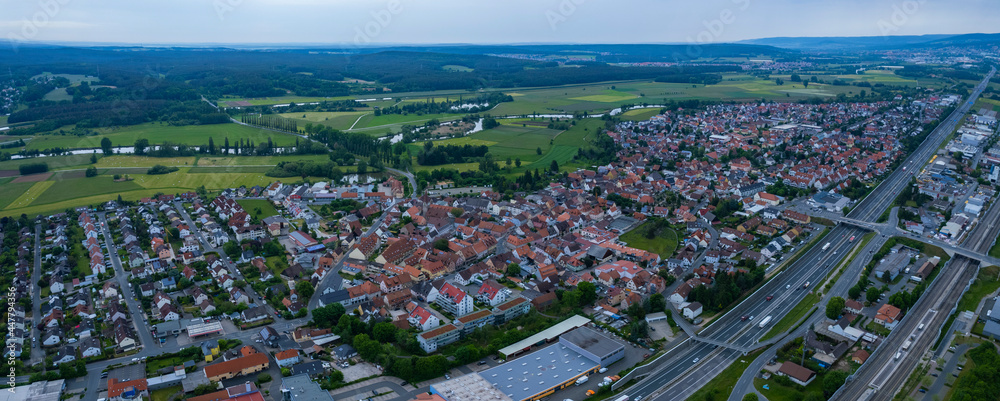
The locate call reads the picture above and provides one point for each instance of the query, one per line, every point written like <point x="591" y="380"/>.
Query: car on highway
<point x="696" y="360"/>
<point x="769" y="297"/>
<point x="744" y="318"/>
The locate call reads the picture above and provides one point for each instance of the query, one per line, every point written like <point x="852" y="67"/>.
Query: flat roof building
<point x="594" y="345"/>
<point x="531" y="377"/>
<point x="547" y="335"/>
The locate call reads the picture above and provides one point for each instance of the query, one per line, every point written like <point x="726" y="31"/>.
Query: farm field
<point x="54" y="162"/>
<point x="376" y="125"/>
<point x="232" y="102"/>
<point x="9" y="191"/>
<point x="57" y="95"/>
<point x="258" y="208"/>
<point x="184" y="180"/>
<point x="74" y="79"/>
<point x="31" y="194"/>
<point x="204" y="161"/>
<point x="158" y="133"/>
<point x="142" y="161"/>
<point x="341" y="120"/>
<point x="3" y="120"/>
<point x="83" y="187"/>
<point x="988" y="104"/>
<point x="640" y="114"/>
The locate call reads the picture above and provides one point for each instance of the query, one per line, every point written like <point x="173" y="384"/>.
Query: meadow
<point x="158" y="133"/>
<point x="258" y="208"/>
<point x="341" y="120"/>
<point x="266" y="101"/>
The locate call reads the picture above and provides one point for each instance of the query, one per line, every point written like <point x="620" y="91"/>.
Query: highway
<point x="883" y="372"/>
<point x="680" y="376"/>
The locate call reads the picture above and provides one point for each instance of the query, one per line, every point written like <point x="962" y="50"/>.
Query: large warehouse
<point x="579" y="352"/>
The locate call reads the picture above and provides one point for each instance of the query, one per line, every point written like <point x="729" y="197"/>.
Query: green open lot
<point x="142" y="161"/>
<point x="988" y="104"/>
<point x="640" y="114"/>
<point x="720" y="386"/>
<point x="377" y="125"/>
<point x="258" y="208"/>
<point x="663" y="243"/>
<point x="57" y="95"/>
<point x="83" y="187"/>
<point x="794" y="316"/>
<point x="165" y="393"/>
<point x="205" y="161"/>
<point x="158" y="133"/>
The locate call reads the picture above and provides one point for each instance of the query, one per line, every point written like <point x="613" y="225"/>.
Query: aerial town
<point x="247" y="218"/>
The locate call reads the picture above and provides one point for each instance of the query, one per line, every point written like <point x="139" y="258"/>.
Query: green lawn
<point x="640" y="114"/>
<point x="258" y="208"/>
<point x="663" y="244"/>
<point x="225" y="102"/>
<point x="158" y="133"/>
<point x="984" y="285"/>
<point x="57" y="95"/>
<point x="779" y="392"/>
<point x="995" y="250"/>
<point x="164" y="394"/>
<point x="341" y="120"/>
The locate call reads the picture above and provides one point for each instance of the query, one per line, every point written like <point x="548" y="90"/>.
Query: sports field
<point x="158" y="133"/>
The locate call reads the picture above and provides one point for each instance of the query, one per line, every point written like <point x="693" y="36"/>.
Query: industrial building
<point x="545" y="336"/>
<point x="579" y="352"/>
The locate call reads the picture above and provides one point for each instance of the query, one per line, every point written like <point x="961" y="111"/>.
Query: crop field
<point x="74" y="79"/>
<point x="142" y="161"/>
<point x="341" y="120"/>
<point x="158" y="133"/>
<point x="231" y="102"/>
<point x="462" y="141"/>
<point x="10" y="191"/>
<point x="640" y="114"/>
<point x="29" y="196"/>
<point x="54" y="162"/>
<point x="3" y="120"/>
<point x="607" y="96"/>
<point x="183" y="180"/>
<point x="205" y="161"/>
<point x="988" y="104"/>
<point x="372" y="124"/>
<point x="83" y="187"/>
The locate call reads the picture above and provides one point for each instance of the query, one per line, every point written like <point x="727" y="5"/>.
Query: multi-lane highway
<point x="883" y="374"/>
<point x="679" y="376"/>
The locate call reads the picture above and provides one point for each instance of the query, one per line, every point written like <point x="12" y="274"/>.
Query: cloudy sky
<point x="478" y="21"/>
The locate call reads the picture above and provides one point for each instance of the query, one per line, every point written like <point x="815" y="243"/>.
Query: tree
<point x="750" y="397"/>
<point x="362" y="166"/>
<point x="854" y="292"/>
<point x="834" y="307"/>
<point x="232" y="248"/>
<point x="441" y="244"/>
<point x="384" y="332"/>
<point x="93" y="158"/>
<point x="554" y="166"/>
<point x="211" y="146"/>
<point x="514" y="269"/>
<point x="329" y="315"/>
<point x="538" y="150"/>
<point x="140" y="146"/>
<point x="872" y="295"/>
<point x="225" y="146"/>
<point x="588" y="292"/>
<point x="106" y="146"/>
<point x="517" y="162"/>
<point x="832" y="381"/>
<point x="457" y="212"/>
<point x="814" y="396"/>
<point x="304" y="289"/>
<point x="91" y="171"/>
<point x="263" y="378"/>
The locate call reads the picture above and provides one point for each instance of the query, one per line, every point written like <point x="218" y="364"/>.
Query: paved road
<point x="230" y="266"/>
<point x="37" y="354"/>
<point x="674" y="379"/>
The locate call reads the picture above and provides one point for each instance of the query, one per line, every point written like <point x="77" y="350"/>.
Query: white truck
<point x="764" y="322"/>
<point x="827" y="246"/>
<point x="906" y="345"/>
<point x="898" y="354"/>
<point x="582" y="380"/>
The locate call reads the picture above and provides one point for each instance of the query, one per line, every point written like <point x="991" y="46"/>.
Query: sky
<point x="365" y="22"/>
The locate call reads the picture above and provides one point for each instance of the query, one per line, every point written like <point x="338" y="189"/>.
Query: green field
<point x="158" y="133"/>
<point x="143" y="161"/>
<point x="57" y="95"/>
<point x="797" y="313"/>
<point x="31" y="194"/>
<point x="379" y="125"/>
<point x="988" y="104"/>
<point x="260" y="160"/>
<point x="83" y="187"/>
<point x="721" y="385"/>
<point x="457" y="68"/>
<point x="258" y="208"/>
<point x="10" y="191"/>
<point x="54" y="162"/>
<point x="640" y="114"/>
<point x="74" y="79"/>
<point x="663" y="243"/>
<point x="227" y="102"/>
<point x="341" y="120"/>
